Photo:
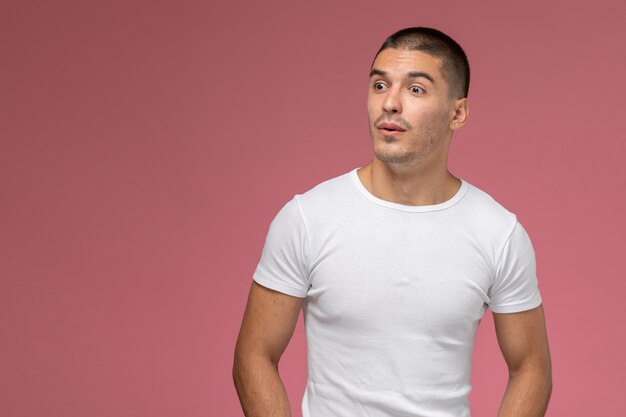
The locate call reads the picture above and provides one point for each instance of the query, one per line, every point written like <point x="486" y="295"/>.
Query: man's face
<point x="408" y="106"/>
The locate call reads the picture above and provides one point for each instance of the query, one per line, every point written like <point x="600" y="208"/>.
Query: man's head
<point x="454" y="64"/>
<point x="417" y="96"/>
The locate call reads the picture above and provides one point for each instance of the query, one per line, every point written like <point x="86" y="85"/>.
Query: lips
<point x="390" y="128"/>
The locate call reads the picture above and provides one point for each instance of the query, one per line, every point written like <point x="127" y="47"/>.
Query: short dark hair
<point x="455" y="66"/>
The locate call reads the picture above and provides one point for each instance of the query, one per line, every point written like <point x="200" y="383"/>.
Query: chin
<point x="393" y="157"/>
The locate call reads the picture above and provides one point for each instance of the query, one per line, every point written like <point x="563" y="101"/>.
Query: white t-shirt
<point x="394" y="293"/>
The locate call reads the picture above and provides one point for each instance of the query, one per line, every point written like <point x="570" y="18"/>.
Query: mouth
<point x="390" y="129"/>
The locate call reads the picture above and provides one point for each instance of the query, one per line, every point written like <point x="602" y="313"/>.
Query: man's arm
<point x="268" y="324"/>
<point x="524" y="344"/>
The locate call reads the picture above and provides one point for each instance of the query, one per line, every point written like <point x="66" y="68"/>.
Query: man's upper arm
<point x="523" y="340"/>
<point x="268" y="323"/>
<point x="279" y="286"/>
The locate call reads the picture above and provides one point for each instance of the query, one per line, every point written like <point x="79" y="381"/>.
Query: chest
<point x="411" y="278"/>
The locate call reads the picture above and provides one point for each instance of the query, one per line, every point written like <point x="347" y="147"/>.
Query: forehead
<point x="398" y="62"/>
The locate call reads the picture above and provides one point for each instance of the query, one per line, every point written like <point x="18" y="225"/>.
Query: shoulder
<point x="488" y="214"/>
<point x="328" y="192"/>
<point x="317" y="202"/>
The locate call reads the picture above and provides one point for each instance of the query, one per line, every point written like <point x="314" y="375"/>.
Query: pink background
<point x="146" y="146"/>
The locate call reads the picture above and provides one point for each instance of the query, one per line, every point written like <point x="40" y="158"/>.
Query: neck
<point x="408" y="185"/>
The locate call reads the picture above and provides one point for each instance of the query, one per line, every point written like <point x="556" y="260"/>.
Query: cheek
<point x="425" y="113"/>
<point x="373" y="104"/>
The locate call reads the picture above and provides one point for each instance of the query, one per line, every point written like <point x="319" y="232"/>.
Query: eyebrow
<point x="412" y="74"/>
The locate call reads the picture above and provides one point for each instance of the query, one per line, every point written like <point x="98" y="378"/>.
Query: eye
<point x="379" y="85"/>
<point x="417" y="90"/>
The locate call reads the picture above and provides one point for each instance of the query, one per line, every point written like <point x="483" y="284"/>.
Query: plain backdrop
<point x="146" y="146"/>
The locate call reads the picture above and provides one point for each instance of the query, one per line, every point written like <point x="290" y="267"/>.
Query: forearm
<point x="527" y="394"/>
<point x="260" y="389"/>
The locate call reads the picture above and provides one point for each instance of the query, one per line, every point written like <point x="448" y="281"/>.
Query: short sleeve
<point x="515" y="287"/>
<point x="282" y="266"/>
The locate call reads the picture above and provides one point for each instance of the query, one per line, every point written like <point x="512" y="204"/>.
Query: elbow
<point x="235" y="369"/>
<point x="537" y="366"/>
<point x="246" y="361"/>
<point x="240" y="363"/>
<point x="549" y="384"/>
<point x="538" y="375"/>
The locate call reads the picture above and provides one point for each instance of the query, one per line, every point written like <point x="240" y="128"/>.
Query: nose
<point x="392" y="102"/>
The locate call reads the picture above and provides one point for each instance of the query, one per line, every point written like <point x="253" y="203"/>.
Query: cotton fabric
<point x="393" y="294"/>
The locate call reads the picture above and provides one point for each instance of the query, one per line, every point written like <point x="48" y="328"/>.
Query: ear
<point x="460" y="113"/>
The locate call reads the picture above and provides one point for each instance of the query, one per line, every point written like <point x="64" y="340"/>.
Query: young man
<point x="394" y="264"/>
